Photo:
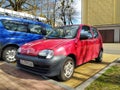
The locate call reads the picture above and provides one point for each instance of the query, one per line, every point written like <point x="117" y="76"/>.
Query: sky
<point x="77" y="6"/>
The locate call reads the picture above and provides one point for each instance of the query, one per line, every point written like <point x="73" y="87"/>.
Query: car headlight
<point x="46" y="53"/>
<point x="19" y="50"/>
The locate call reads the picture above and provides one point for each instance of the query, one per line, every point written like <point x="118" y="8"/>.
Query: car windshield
<point x="67" y="32"/>
<point x="35" y="28"/>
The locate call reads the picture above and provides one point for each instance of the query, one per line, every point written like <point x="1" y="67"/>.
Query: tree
<point x="54" y="12"/>
<point x="15" y="4"/>
<point x="70" y="15"/>
<point x="57" y="12"/>
<point x="29" y="6"/>
<point x="66" y="11"/>
<point x="2" y="2"/>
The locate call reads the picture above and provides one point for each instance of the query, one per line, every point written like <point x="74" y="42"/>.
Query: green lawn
<point x="110" y="80"/>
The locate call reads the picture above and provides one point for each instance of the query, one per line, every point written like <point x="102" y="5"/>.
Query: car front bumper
<point x="48" y="67"/>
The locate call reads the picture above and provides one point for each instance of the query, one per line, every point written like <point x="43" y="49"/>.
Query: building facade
<point x="100" y="12"/>
<point x="105" y="15"/>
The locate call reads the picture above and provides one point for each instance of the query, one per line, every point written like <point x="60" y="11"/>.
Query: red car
<point x="61" y="51"/>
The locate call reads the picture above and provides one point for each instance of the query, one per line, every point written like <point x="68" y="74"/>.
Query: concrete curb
<point x="90" y="80"/>
<point x="58" y="83"/>
<point x="61" y="85"/>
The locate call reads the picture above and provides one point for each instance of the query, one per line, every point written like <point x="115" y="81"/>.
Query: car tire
<point x="9" y="54"/>
<point x="100" y="56"/>
<point x="67" y="69"/>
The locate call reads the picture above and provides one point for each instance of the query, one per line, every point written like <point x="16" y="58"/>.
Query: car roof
<point x="24" y="20"/>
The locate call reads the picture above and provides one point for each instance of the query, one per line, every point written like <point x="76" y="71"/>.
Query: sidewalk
<point x="112" y="48"/>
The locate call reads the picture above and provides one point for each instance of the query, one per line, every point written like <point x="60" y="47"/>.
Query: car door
<point x="85" y="45"/>
<point x="96" y="41"/>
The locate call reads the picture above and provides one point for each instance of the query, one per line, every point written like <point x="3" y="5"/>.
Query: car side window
<point x="95" y="33"/>
<point x="86" y="30"/>
<point x="22" y="28"/>
<point x="34" y="28"/>
<point x="37" y="29"/>
<point x="14" y="25"/>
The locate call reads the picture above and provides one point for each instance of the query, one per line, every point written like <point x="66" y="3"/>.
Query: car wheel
<point x="100" y="56"/>
<point x="67" y="69"/>
<point x="9" y="54"/>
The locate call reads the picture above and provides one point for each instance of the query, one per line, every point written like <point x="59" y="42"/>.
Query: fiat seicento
<point x="60" y="51"/>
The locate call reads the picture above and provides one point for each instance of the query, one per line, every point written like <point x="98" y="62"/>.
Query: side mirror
<point x="84" y="36"/>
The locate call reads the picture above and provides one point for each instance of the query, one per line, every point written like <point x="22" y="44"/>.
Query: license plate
<point x="27" y="63"/>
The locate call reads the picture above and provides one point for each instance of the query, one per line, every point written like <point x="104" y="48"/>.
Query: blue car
<point x="15" y="32"/>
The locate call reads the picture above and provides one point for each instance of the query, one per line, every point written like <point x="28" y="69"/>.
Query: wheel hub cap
<point x="10" y="55"/>
<point x="68" y="69"/>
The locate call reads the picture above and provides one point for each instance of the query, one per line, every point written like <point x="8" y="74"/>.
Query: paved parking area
<point x="14" y="79"/>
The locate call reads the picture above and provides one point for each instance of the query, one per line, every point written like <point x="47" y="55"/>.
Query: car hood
<point x="33" y="48"/>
